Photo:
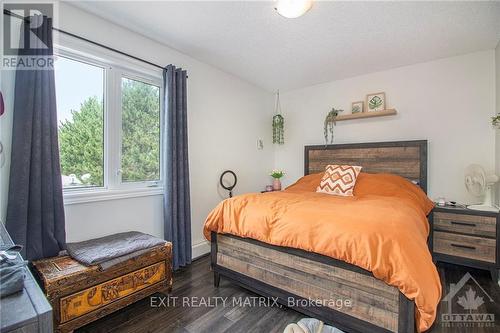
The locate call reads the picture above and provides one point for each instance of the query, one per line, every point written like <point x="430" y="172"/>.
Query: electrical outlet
<point x="260" y="144"/>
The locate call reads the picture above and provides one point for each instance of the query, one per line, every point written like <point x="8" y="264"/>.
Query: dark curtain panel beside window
<point x="177" y="208"/>
<point x="35" y="211"/>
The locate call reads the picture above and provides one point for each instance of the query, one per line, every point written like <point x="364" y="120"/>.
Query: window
<point x="140" y="160"/>
<point x="109" y="126"/>
<point x="80" y="113"/>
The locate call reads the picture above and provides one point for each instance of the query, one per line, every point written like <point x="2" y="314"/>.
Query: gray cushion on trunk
<point x="117" y="247"/>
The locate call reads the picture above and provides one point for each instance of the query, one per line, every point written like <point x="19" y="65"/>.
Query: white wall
<point x="497" y="141"/>
<point x="226" y="116"/>
<point x="447" y="102"/>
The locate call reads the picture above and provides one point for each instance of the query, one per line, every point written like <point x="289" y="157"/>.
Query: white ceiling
<point x="334" y="40"/>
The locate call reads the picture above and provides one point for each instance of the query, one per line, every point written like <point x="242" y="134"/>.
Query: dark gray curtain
<point x="35" y="211"/>
<point x="177" y="208"/>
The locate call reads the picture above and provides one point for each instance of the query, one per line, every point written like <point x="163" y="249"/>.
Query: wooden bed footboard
<point x="341" y="294"/>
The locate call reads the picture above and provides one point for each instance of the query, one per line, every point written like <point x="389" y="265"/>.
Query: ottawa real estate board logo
<point x="466" y="305"/>
<point x="27" y="35"/>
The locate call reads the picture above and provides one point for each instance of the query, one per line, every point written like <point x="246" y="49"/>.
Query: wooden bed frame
<point x="295" y="277"/>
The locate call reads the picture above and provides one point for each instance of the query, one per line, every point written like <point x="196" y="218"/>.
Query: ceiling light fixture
<point x="293" y="8"/>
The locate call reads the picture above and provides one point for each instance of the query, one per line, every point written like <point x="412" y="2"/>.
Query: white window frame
<point x="115" y="67"/>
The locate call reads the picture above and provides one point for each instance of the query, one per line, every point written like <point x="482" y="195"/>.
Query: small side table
<point x="466" y="237"/>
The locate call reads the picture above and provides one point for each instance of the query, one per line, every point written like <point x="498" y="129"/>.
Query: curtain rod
<point x="26" y="19"/>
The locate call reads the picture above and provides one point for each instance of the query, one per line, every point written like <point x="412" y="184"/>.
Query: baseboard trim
<point x="200" y="249"/>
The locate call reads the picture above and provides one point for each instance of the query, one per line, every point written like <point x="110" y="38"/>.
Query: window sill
<point x="77" y="197"/>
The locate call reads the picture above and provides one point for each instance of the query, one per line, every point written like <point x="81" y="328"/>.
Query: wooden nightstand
<point x="466" y="237"/>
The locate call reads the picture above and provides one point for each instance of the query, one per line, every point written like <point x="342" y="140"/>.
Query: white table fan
<point x="480" y="184"/>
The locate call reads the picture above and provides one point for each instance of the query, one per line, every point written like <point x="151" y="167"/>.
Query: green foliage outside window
<point x="81" y="143"/>
<point x="140" y="131"/>
<point x="81" y="139"/>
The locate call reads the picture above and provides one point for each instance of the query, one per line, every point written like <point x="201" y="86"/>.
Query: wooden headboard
<point x="405" y="158"/>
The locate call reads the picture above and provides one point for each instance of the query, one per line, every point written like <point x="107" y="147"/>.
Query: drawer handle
<point x="464" y="224"/>
<point x="464" y="246"/>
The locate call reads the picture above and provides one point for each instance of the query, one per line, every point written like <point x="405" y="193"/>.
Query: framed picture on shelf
<point x="357" y="107"/>
<point x="375" y="102"/>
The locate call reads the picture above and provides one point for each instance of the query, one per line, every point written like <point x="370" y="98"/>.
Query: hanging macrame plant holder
<point x="330" y="122"/>
<point x="278" y="123"/>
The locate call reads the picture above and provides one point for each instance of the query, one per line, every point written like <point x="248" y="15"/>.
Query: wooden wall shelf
<point x="370" y="114"/>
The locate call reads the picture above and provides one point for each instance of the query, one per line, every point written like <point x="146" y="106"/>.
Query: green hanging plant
<point x="330" y="122"/>
<point x="278" y="129"/>
<point x="495" y="121"/>
<point x="278" y="123"/>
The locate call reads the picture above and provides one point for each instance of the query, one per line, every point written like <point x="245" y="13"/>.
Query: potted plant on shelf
<point x="330" y="122"/>
<point x="495" y="121"/>
<point x="277" y="174"/>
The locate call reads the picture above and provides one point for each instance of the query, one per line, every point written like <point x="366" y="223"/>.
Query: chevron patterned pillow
<point x="339" y="180"/>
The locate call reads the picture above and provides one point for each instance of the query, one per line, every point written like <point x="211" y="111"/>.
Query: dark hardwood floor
<point x="197" y="281"/>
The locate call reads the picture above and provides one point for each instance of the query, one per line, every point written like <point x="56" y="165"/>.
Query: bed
<point x="295" y="277"/>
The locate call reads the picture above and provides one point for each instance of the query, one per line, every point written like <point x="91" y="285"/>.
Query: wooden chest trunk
<point x="81" y="294"/>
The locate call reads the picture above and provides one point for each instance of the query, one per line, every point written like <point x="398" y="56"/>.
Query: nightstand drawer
<point x="467" y="224"/>
<point x="470" y="247"/>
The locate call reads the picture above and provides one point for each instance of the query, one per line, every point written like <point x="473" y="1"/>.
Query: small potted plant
<point x="495" y="121"/>
<point x="277" y="174"/>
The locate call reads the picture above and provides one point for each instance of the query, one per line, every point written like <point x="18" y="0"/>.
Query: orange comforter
<point x="382" y="228"/>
